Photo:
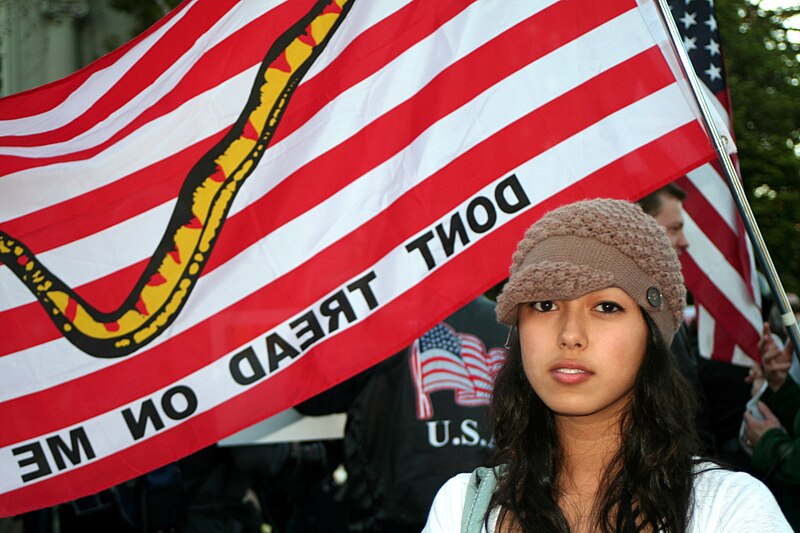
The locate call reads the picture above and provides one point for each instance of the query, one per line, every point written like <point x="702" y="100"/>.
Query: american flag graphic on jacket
<point x="443" y="359"/>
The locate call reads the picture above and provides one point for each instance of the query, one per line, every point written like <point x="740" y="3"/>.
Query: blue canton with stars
<point x="442" y="338"/>
<point x="698" y="27"/>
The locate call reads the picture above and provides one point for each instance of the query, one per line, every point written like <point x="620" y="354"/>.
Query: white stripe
<point x="110" y="250"/>
<point x="58" y="361"/>
<point x="713" y="187"/>
<point x="716" y="267"/>
<point x="722" y="115"/>
<point x="721" y="119"/>
<point x="705" y="332"/>
<point x="471" y="399"/>
<point x="740" y="358"/>
<point x="427" y="355"/>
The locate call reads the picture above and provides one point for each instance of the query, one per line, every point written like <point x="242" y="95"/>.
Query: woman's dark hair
<point x="647" y="485"/>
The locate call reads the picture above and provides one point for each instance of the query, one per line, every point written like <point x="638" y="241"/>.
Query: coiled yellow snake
<point x="202" y="208"/>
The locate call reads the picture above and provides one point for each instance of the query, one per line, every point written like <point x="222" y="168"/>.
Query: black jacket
<point x="402" y="443"/>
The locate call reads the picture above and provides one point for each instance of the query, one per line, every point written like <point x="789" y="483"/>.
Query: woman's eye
<point x="608" y="307"/>
<point x="544" y="306"/>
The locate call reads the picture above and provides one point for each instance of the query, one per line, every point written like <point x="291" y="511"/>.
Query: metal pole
<point x="750" y="225"/>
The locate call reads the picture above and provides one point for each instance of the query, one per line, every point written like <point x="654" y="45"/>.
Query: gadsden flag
<point x="255" y="200"/>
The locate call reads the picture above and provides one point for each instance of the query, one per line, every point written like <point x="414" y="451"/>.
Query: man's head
<point x="666" y="206"/>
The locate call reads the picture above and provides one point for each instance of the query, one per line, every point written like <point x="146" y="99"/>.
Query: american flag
<point x="443" y="359"/>
<point x="718" y="267"/>
<point x="254" y="201"/>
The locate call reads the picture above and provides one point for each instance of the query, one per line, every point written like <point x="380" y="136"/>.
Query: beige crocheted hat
<point x="592" y="245"/>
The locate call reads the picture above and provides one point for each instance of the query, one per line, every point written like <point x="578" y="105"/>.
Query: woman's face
<point x="582" y="356"/>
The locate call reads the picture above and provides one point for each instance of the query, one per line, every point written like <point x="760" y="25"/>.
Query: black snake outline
<point x="200" y="212"/>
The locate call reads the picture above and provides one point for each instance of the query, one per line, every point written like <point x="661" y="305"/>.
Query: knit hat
<point x="592" y="245"/>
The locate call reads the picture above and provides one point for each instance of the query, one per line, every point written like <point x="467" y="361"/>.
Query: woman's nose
<point x="572" y="334"/>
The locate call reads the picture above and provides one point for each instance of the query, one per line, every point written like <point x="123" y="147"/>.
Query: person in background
<point x="773" y="430"/>
<point x="666" y="206"/>
<point x="593" y="418"/>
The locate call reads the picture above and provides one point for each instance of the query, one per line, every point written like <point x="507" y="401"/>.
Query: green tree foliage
<point x="764" y="80"/>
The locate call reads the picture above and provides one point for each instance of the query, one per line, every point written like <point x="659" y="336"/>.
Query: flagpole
<point x="750" y="225"/>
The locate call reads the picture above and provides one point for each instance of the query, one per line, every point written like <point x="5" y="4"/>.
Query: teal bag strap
<point x="476" y="503"/>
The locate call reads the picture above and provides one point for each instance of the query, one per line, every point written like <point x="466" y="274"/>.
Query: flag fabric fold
<point x="385" y="185"/>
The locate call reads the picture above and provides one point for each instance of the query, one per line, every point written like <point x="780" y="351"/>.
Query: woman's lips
<point x="570" y="373"/>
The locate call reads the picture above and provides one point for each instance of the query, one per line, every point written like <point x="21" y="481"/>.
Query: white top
<point x="724" y="501"/>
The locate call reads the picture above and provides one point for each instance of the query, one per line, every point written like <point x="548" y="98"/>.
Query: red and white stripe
<point x="718" y="265"/>
<point x="469" y="374"/>
<point x="482" y="366"/>
<point x="413" y="109"/>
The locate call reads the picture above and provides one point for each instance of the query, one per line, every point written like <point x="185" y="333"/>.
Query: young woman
<point x="593" y="420"/>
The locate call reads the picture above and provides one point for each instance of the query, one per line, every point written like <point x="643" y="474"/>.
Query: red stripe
<point x="723" y="345"/>
<point x="381" y="334"/>
<point x="716" y="302"/>
<point x="476" y="362"/>
<point x="41" y="99"/>
<point x="383" y="138"/>
<point x="724" y="98"/>
<point x="67" y="404"/>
